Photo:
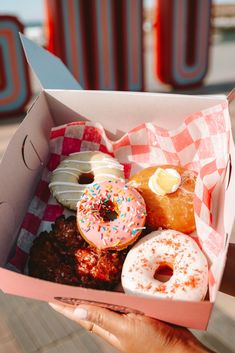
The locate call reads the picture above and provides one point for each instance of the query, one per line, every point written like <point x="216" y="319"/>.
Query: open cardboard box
<point x="61" y="101"/>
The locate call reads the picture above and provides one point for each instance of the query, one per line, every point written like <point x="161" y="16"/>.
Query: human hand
<point x="137" y="333"/>
<point x="131" y="332"/>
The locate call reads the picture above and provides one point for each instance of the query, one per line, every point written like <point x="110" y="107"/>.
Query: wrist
<point x="190" y="344"/>
<point x="195" y="346"/>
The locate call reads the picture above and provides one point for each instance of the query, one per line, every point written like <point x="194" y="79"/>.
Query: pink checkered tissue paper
<point x="201" y="144"/>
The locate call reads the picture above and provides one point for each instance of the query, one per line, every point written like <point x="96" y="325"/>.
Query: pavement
<point x="30" y="326"/>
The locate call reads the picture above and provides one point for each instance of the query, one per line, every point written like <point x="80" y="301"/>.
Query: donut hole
<point x="108" y="211"/>
<point x="164" y="272"/>
<point x="86" y="178"/>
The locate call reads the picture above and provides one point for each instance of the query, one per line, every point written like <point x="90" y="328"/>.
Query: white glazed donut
<point x="166" y="248"/>
<point x="79" y="170"/>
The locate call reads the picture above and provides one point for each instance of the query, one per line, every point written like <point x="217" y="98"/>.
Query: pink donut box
<point x="61" y="101"/>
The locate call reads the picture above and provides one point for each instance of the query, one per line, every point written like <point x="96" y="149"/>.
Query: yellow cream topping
<point x="164" y="181"/>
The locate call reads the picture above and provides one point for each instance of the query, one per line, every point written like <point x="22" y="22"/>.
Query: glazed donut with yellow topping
<point x="168" y="192"/>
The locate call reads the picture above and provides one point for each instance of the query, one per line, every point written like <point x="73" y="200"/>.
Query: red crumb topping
<point x="192" y="282"/>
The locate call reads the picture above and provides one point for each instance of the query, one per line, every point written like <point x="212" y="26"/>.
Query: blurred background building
<point x="221" y="51"/>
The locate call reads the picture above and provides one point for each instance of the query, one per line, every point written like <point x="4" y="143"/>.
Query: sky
<point x="26" y="10"/>
<point x="32" y="10"/>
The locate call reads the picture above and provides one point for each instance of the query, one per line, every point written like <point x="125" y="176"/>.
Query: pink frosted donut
<point x="110" y="215"/>
<point x="172" y="249"/>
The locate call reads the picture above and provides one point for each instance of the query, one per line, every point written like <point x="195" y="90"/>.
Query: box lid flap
<point x="49" y="69"/>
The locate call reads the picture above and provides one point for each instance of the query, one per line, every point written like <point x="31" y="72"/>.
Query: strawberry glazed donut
<point x="166" y="249"/>
<point x="111" y="215"/>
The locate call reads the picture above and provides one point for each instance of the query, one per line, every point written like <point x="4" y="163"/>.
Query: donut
<point x="63" y="256"/>
<point x="99" y="269"/>
<point x="111" y="215"/>
<point x="65" y="236"/>
<point x="46" y="261"/>
<point x="168" y="192"/>
<point x="80" y="169"/>
<point x="169" y="249"/>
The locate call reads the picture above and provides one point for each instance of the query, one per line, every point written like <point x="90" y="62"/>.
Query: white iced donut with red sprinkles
<point x="111" y="215"/>
<point x="166" y="248"/>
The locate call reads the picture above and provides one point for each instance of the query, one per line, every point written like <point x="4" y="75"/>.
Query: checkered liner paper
<point x="201" y="144"/>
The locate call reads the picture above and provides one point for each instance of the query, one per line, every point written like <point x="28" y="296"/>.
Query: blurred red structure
<point x="182" y="36"/>
<point x="101" y="42"/>
<point x="14" y="78"/>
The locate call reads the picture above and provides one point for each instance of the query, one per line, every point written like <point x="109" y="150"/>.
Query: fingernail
<point x="56" y="306"/>
<point x="80" y="313"/>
